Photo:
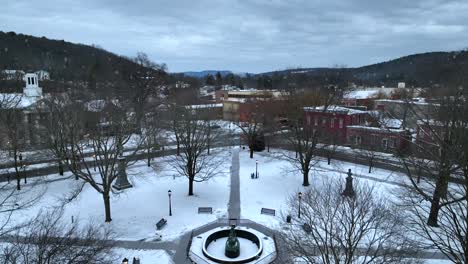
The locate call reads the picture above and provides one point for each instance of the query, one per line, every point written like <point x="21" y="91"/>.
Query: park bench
<point x="161" y="223"/>
<point x="307" y="228"/>
<point x="205" y="210"/>
<point x="268" y="211"/>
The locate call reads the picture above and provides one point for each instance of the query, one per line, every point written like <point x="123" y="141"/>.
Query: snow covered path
<point x="234" y="198"/>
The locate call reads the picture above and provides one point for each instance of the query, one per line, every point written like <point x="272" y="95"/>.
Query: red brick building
<point x="334" y="121"/>
<point x="379" y="138"/>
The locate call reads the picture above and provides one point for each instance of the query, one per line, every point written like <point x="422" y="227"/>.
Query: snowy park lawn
<point x="278" y="180"/>
<point x="135" y="211"/>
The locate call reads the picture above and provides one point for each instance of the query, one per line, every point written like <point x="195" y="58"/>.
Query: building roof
<point x="16" y="101"/>
<point x="367" y="93"/>
<point x="377" y="129"/>
<point x="203" y="106"/>
<point x="335" y="109"/>
<point x="391" y="123"/>
<point x="415" y="101"/>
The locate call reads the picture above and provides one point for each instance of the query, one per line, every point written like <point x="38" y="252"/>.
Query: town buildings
<point x="333" y="121"/>
<point x="238" y="105"/>
<point x="26" y="107"/>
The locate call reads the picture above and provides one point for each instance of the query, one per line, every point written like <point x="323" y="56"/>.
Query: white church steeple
<point x="32" y="88"/>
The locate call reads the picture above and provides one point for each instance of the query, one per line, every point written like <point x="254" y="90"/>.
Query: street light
<point x="300" y="196"/>
<point x="169" y="193"/>
<point x="256" y="169"/>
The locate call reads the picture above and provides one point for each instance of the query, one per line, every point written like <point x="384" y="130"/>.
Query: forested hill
<point x="423" y="69"/>
<point x="64" y="60"/>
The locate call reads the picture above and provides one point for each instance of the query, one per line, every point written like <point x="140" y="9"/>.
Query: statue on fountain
<point x="232" y="244"/>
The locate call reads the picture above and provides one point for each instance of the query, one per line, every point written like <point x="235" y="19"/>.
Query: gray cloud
<point x="249" y="35"/>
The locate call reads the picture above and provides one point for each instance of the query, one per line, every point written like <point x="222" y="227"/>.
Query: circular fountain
<point x="233" y="252"/>
<point x="232" y="245"/>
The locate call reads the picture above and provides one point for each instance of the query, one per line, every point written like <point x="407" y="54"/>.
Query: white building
<point x="32" y="88"/>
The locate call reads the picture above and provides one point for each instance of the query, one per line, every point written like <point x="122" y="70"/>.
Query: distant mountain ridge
<point x="203" y="74"/>
<point x="70" y="61"/>
<point x="422" y="69"/>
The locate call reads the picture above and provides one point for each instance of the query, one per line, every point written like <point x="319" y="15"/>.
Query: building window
<point x="308" y="120"/>
<point x="385" y="143"/>
<point x="332" y="123"/>
<point x="324" y="122"/>
<point x="341" y="123"/>
<point x="358" y="140"/>
<point x="316" y="121"/>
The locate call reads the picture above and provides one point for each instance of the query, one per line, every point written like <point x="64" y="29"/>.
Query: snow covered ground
<point x="278" y="180"/>
<point x="135" y="211"/>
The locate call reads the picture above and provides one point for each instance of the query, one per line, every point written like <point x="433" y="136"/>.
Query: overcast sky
<point x="248" y="35"/>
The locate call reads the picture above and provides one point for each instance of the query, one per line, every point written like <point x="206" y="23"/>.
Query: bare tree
<point x="334" y="228"/>
<point x="331" y="143"/>
<point x="439" y="204"/>
<point x="143" y="85"/>
<point x="152" y="133"/>
<point x="368" y="152"/>
<point x="13" y="201"/>
<point x="86" y="143"/>
<point x="299" y="137"/>
<point x="46" y="239"/>
<point x="194" y="162"/>
<point x="252" y="129"/>
<point x="436" y="152"/>
<point x="11" y="121"/>
<point x="450" y="235"/>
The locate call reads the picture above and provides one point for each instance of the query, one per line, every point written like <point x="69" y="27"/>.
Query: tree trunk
<point x="18" y="175"/>
<point x="306" y="177"/>
<point x="418" y="180"/>
<point x="439" y="191"/>
<point x="18" y="180"/>
<point x="107" y="207"/>
<point x="178" y="149"/>
<point x="251" y="153"/>
<point x="149" y="158"/>
<point x="190" y="191"/>
<point x="434" y="213"/>
<point x="444" y="175"/>
<point x="60" y="168"/>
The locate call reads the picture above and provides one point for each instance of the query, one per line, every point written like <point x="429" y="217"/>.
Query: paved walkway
<point x="234" y="197"/>
<point x="180" y="255"/>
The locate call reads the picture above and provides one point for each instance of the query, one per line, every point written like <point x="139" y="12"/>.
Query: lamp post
<point x="169" y="193"/>
<point x="256" y="169"/>
<point x="300" y="196"/>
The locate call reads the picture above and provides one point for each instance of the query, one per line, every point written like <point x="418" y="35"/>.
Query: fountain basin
<point x="209" y="247"/>
<point x="251" y="246"/>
